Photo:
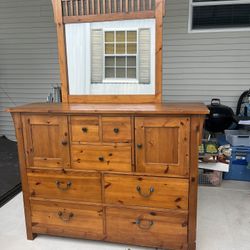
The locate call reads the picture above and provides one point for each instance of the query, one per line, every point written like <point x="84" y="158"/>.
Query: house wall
<point x="201" y="66"/>
<point x="196" y="67"/>
<point x="28" y="55"/>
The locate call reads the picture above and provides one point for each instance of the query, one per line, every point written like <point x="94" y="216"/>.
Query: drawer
<point x="67" y="219"/>
<point x="147" y="228"/>
<point x="84" y="129"/>
<point x="116" y="129"/>
<point x="75" y="187"/>
<point x="146" y="191"/>
<point x="101" y="157"/>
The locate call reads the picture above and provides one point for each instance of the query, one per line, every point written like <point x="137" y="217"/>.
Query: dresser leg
<point x="192" y="246"/>
<point x="31" y="236"/>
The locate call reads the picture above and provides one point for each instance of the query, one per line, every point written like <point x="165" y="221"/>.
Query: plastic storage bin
<point x="239" y="164"/>
<point x="238" y="137"/>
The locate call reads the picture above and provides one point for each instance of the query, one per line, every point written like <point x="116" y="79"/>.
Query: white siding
<point x="196" y="67"/>
<point x="28" y="55"/>
<point x="201" y="66"/>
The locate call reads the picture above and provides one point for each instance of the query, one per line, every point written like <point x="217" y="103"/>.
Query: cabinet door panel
<point x="162" y="145"/>
<point x="46" y="140"/>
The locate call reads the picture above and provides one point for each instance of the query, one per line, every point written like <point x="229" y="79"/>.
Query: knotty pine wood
<point x="168" y="193"/>
<point x="46" y="140"/>
<point x="168" y="231"/>
<point x="162" y="145"/>
<point x="101" y="157"/>
<point x="82" y="220"/>
<point x="172" y="203"/>
<point x="84" y="187"/>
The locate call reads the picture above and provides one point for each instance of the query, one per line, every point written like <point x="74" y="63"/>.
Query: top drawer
<point x="85" y="129"/>
<point x="104" y="129"/>
<point x="116" y="129"/>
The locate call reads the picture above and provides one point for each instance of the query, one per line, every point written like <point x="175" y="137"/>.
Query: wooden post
<point x="158" y="56"/>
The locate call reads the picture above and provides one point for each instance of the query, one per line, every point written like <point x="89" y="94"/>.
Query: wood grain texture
<point x="116" y="129"/>
<point x="46" y="140"/>
<point x="180" y="108"/>
<point x="84" y="187"/>
<point x="101" y="157"/>
<point x="22" y="167"/>
<point x="162" y="145"/>
<point x="84" y="129"/>
<point x="196" y="135"/>
<point x="66" y="218"/>
<point x="158" y="192"/>
<point x="168" y="229"/>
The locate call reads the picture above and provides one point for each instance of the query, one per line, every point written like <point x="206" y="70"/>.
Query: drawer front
<point x="100" y="157"/>
<point x="116" y="129"/>
<point x="85" y="187"/>
<point x="147" y="227"/>
<point x="146" y="191"/>
<point x="65" y="218"/>
<point x="84" y="129"/>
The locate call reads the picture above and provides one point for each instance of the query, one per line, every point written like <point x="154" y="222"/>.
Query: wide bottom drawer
<point x="67" y="219"/>
<point x="147" y="227"/>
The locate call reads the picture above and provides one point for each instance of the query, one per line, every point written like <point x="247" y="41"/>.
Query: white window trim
<point x="121" y="80"/>
<point x="190" y="17"/>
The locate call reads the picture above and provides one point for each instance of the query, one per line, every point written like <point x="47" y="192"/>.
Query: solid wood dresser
<point x="112" y="172"/>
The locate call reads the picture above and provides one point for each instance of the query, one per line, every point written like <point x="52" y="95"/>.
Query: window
<point x="209" y="15"/>
<point x="120" y="55"/>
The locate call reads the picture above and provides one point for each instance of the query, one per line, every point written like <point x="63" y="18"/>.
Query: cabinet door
<point x="46" y="141"/>
<point x="162" y="145"/>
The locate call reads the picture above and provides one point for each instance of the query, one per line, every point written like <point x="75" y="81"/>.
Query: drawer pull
<point x="64" y="143"/>
<point x="144" y="224"/>
<point x="58" y="184"/>
<point x="116" y="130"/>
<point x="85" y="130"/>
<point x="64" y="216"/>
<point x="151" y="190"/>
<point x="139" y="146"/>
<point x="101" y="158"/>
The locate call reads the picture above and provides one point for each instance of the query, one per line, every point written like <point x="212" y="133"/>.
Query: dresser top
<point x="165" y="108"/>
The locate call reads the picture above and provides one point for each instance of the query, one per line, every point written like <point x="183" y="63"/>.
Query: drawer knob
<point x="64" y="143"/>
<point x="65" y="216"/>
<point x="85" y="130"/>
<point x="101" y="158"/>
<point x="144" y="224"/>
<point x="144" y="195"/>
<point x="116" y="130"/>
<point x="139" y="146"/>
<point x="59" y="185"/>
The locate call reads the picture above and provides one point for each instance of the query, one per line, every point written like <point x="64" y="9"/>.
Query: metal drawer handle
<point x="64" y="216"/>
<point x="85" y="130"/>
<point x="68" y="185"/>
<point x="101" y="158"/>
<point x="151" y="190"/>
<point x="139" y="146"/>
<point x="144" y="224"/>
<point x="116" y="130"/>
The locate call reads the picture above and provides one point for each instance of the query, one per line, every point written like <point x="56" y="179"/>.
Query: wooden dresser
<point x="113" y="172"/>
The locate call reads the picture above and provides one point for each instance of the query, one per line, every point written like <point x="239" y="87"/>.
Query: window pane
<point x="120" y="36"/>
<point x="120" y="73"/>
<point x="131" y="36"/>
<point x="131" y="73"/>
<point x="109" y="36"/>
<point x="131" y="48"/>
<point x="109" y="61"/>
<point x="109" y="48"/>
<point x="120" y="48"/>
<point x="221" y="16"/>
<point x="109" y="73"/>
<point x="120" y="61"/>
<point x="131" y="61"/>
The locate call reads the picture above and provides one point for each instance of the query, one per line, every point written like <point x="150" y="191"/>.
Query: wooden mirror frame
<point x="109" y="13"/>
